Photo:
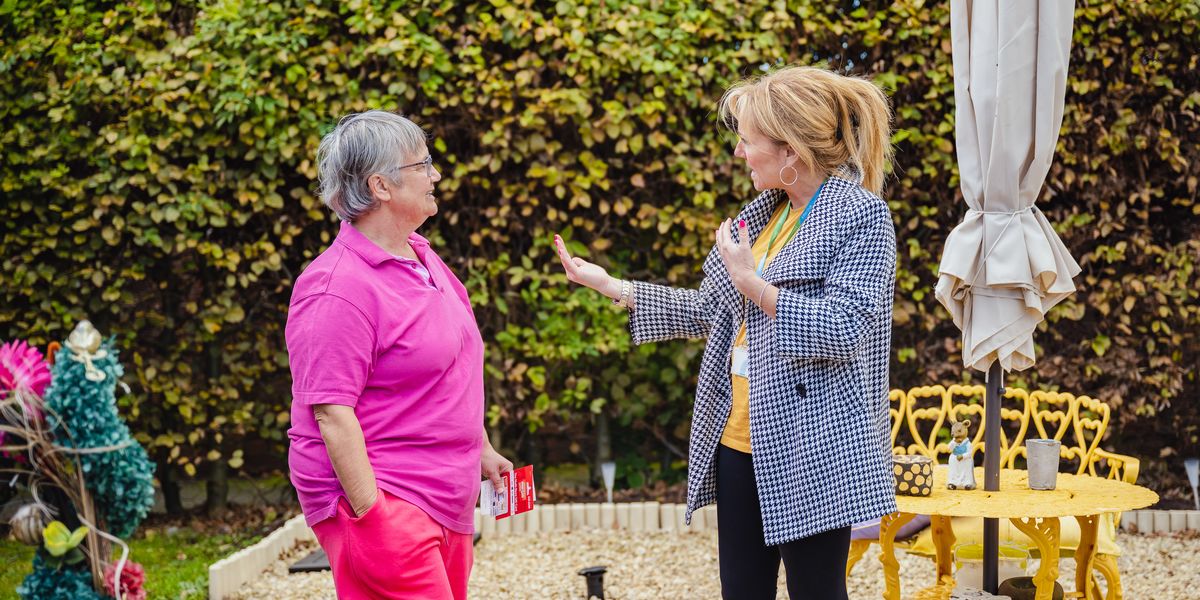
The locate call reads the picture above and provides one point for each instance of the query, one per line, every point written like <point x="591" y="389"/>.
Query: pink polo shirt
<point x="366" y="329"/>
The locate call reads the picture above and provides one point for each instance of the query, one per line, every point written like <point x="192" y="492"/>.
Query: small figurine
<point x="84" y="342"/>
<point x="962" y="458"/>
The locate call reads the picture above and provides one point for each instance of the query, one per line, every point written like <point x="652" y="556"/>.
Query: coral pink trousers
<point x="394" y="550"/>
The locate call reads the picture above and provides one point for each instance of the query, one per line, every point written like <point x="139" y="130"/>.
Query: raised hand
<point x="737" y="256"/>
<point x="585" y="273"/>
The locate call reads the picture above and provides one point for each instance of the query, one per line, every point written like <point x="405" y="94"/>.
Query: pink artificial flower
<point x="22" y="367"/>
<point x="133" y="576"/>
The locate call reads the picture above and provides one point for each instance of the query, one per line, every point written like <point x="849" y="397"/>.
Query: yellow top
<point x="1072" y="495"/>
<point x="737" y="428"/>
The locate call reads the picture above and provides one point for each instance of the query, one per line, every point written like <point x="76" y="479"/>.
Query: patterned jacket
<point x="818" y="371"/>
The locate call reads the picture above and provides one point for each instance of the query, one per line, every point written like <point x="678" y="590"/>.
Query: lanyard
<point x="787" y="209"/>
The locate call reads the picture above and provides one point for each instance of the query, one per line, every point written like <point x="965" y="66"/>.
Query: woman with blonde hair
<point x="790" y="425"/>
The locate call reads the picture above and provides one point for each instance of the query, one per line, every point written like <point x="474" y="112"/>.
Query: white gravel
<point x="668" y="566"/>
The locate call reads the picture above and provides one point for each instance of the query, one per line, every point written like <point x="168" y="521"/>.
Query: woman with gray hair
<point x="387" y="438"/>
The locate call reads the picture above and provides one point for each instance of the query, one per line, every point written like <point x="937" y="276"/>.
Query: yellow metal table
<point x="1033" y="512"/>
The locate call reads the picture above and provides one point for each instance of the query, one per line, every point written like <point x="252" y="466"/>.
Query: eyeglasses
<point x="427" y="163"/>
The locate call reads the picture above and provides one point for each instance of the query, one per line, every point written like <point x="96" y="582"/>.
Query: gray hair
<point x="362" y="145"/>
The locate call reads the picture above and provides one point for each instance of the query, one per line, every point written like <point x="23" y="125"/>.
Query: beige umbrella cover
<point x="1004" y="266"/>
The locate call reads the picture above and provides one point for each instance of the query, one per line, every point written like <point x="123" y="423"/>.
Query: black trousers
<point x="815" y="565"/>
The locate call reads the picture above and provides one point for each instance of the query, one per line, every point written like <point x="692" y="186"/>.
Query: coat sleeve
<point x="857" y="295"/>
<point x="667" y="313"/>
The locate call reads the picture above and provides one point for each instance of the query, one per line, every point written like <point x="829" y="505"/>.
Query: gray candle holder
<point x="1043" y="458"/>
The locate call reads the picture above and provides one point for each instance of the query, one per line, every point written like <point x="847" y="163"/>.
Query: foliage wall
<point x="158" y="178"/>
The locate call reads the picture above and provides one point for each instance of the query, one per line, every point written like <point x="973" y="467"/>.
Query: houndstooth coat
<point x="818" y="371"/>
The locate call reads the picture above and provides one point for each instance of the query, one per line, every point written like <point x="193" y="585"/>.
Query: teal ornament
<point x="82" y="395"/>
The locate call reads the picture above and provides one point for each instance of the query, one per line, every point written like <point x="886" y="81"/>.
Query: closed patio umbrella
<point x="1003" y="267"/>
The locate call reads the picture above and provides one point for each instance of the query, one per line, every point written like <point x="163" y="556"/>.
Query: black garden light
<point x="595" y="581"/>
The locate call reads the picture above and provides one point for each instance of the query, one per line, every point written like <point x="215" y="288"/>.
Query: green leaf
<point x="58" y="540"/>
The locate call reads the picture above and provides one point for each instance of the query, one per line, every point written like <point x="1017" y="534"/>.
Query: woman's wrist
<point x="612" y="289"/>
<point x="762" y="290"/>
<point x="364" y="504"/>
<point x="749" y="285"/>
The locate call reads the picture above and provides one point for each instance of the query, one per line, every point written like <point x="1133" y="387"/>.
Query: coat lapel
<point x="808" y="256"/>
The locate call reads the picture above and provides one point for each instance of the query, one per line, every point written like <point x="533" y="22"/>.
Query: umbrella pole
<point x="991" y="473"/>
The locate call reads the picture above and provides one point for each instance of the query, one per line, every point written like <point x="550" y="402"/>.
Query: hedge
<point x="158" y="179"/>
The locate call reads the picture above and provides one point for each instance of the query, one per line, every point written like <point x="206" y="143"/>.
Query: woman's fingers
<point x="561" y="249"/>
<point x="724" y="239"/>
<point x="568" y="263"/>
<point x="732" y="251"/>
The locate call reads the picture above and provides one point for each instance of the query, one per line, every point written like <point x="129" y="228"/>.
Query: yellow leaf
<point x="235" y="314"/>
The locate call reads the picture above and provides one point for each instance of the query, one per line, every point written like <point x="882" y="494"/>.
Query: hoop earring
<point x="794" y="179"/>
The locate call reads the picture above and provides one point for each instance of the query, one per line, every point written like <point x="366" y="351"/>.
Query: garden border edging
<point x="1160" y="521"/>
<point x="229" y="574"/>
<point x="632" y="516"/>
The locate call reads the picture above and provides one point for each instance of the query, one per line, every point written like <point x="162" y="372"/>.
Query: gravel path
<point x="666" y="566"/>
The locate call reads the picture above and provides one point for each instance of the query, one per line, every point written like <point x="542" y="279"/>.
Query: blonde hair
<point x="831" y="121"/>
